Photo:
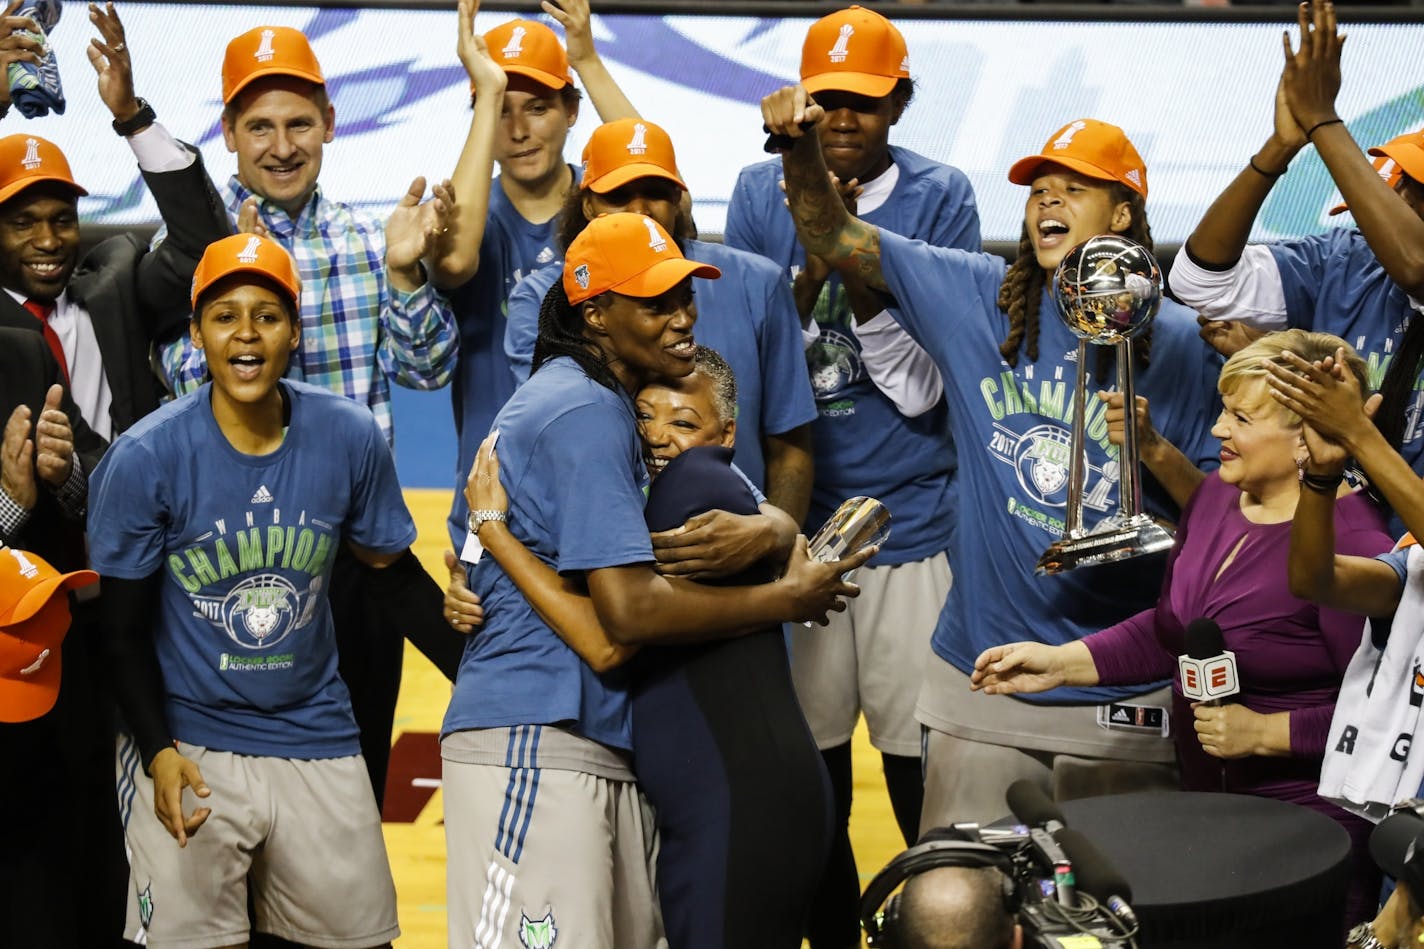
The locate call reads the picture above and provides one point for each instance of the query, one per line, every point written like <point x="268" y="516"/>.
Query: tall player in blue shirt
<point x="542" y="814"/>
<point x="525" y="102"/>
<point x="1007" y="366"/>
<point x="215" y="523"/>
<point x="882" y="427"/>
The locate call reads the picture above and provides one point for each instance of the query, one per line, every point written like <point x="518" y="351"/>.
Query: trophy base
<point x="1116" y="538"/>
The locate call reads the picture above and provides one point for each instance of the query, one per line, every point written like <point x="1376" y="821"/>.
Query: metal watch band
<point x="1363" y="937"/>
<point x="477" y="518"/>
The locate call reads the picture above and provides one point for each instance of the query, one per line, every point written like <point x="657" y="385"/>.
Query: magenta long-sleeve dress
<point x="1291" y="654"/>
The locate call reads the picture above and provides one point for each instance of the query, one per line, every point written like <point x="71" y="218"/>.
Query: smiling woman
<point x="221" y="515"/>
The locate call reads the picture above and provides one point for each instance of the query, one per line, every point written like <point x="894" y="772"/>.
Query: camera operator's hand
<point x="1032" y="667"/>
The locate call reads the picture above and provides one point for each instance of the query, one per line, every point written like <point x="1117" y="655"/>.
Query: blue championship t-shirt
<point x="245" y="544"/>
<point x="747" y="315"/>
<point x="862" y="444"/>
<point x="1013" y="427"/>
<point x="512" y="247"/>
<point x="571" y="462"/>
<point x="1333" y="283"/>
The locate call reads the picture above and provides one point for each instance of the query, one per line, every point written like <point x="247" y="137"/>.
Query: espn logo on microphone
<point x="1207" y="679"/>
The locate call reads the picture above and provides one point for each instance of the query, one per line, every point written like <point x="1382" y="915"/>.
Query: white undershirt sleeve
<point x="1250" y="291"/>
<point x="158" y="151"/>
<point x="898" y="366"/>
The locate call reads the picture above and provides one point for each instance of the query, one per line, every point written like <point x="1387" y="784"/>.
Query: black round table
<point x="1223" y="870"/>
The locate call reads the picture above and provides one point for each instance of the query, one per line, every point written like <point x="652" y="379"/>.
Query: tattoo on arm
<point x="823" y="225"/>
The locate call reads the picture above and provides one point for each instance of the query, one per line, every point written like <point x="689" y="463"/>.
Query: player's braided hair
<point x="561" y="334"/>
<point x="1022" y="291"/>
<point x="1400" y="381"/>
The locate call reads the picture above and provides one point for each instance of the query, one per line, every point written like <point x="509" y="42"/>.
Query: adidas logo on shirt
<point x="263" y="496"/>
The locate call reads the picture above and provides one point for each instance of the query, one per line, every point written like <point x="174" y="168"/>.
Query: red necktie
<point x="42" y="312"/>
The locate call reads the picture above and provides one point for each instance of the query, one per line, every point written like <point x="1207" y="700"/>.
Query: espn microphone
<point x="1208" y="670"/>
<point x="1096" y="876"/>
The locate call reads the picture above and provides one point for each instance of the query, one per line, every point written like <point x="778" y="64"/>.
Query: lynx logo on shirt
<point x="253" y="595"/>
<point x="1027" y="437"/>
<point x="834" y="363"/>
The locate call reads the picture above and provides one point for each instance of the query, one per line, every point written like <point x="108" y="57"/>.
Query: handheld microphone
<point x="1208" y="670"/>
<point x="1097" y="876"/>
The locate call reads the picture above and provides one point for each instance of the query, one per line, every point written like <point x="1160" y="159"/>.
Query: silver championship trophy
<point x="856" y="524"/>
<point x="1108" y="289"/>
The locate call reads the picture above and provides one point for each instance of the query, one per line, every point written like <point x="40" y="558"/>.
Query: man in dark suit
<point x="74" y="348"/>
<point x="61" y="874"/>
<point x="98" y="314"/>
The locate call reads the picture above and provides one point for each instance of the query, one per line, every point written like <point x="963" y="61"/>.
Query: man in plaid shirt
<point x="368" y="316"/>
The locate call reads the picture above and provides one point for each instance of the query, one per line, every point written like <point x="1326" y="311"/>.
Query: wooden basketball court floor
<point x="414" y="833"/>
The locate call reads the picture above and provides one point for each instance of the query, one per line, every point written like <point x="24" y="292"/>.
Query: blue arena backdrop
<point x="1195" y="97"/>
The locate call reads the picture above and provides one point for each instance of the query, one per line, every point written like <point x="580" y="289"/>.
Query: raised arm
<point x="1316" y="572"/>
<point x="456" y="256"/>
<point x="1221" y="234"/>
<point x="823" y="225"/>
<point x="608" y="99"/>
<point x="1311" y="81"/>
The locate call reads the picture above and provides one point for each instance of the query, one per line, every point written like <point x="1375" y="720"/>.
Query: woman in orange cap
<point x="215" y="523"/>
<point x="1007" y="370"/>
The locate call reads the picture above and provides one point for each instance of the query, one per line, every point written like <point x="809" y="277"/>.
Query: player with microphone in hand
<point x="1227" y="575"/>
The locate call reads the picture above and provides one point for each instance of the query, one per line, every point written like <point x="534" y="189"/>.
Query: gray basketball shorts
<point x="305" y="835"/>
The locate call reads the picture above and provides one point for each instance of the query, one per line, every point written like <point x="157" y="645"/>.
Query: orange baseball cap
<point x="1408" y="151"/>
<point x="628" y="254"/>
<point x="1386" y="167"/>
<point x="32" y="627"/>
<point x="27" y="160"/>
<point x="1089" y="147"/>
<point x="247" y="253"/>
<point x="268" y="51"/>
<point x="854" y="50"/>
<point x="527" y="48"/>
<point x="620" y="151"/>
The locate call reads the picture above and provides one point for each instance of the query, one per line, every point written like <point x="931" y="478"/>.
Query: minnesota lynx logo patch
<point x="145" y="906"/>
<point x="538" y="933"/>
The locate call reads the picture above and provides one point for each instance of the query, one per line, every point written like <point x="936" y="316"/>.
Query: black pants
<point x="369" y="655"/>
<point x="63" y="874"/>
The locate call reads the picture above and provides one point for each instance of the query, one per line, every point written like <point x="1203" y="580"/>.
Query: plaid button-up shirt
<point x="357" y="332"/>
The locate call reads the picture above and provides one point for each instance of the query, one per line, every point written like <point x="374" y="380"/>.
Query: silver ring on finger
<point x="119" y="47"/>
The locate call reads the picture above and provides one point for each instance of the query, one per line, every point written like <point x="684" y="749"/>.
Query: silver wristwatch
<point x="1363" y="937"/>
<point x="476" y="518"/>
